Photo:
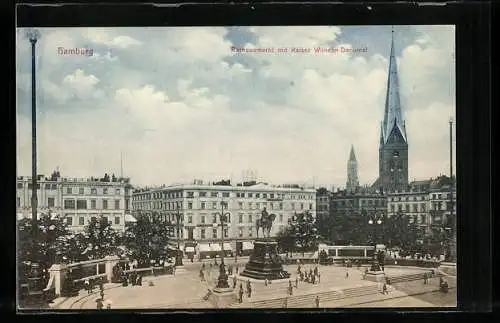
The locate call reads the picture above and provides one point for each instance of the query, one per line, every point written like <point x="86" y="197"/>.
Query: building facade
<point x="353" y="203"/>
<point x="426" y="203"/>
<point x="199" y="206"/>
<point x="78" y="200"/>
<point x="393" y="146"/>
<point x="323" y="202"/>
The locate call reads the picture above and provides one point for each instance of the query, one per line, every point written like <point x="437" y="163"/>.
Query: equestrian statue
<point x="265" y="223"/>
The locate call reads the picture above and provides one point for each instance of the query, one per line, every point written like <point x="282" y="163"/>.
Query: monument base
<point x="375" y="276"/>
<point x="265" y="262"/>
<point x="222" y="297"/>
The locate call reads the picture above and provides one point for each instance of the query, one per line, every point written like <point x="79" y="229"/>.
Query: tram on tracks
<point x="340" y="254"/>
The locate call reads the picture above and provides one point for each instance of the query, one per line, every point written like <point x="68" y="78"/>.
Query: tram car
<point x="342" y="254"/>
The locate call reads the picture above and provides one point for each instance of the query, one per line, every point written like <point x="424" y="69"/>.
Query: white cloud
<point x="179" y="111"/>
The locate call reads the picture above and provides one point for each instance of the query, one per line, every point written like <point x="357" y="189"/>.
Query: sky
<point x="178" y="104"/>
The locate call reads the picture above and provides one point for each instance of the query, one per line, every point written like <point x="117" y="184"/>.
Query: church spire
<point x="352" y="156"/>
<point x="393" y="115"/>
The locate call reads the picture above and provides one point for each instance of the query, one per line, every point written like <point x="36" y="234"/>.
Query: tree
<point x="100" y="238"/>
<point x="147" y="238"/>
<point x="304" y="231"/>
<point x="286" y="240"/>
<point x="398" y="231"/>
<point x="53" y="241"/>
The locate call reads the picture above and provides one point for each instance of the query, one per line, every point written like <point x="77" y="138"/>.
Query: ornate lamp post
<point x="35" y="279"/>
<point x="224" y="217"/>
<point x="178" y="256"/>
<point x="375" y="221"/>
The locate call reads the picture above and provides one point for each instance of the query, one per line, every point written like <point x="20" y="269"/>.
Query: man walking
<point x="240" y="294"/>
<point x="234" y="282"/>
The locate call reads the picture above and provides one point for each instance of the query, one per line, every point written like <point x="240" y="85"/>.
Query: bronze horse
<point x="265" y="223"/>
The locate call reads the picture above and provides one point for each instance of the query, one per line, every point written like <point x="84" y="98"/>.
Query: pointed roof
<point x="352" y="156"/>
<point x="393" y="114"/>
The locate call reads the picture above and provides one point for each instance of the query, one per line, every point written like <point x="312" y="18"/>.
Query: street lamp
<point x="375" y="221"/>
<point x="35" y="279"/>
<point x="224" y="217"/>
<point x="178" y="257"/>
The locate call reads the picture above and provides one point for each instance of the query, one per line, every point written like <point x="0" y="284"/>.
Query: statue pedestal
<point x="375" y="276"/>
<point x="265" y="262"/>
<point x="222" y="297"/>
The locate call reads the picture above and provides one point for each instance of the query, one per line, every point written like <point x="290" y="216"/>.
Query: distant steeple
<point x="352" y="172"/>
<point x="393" y="114"/>
<point x="352" y="156"/>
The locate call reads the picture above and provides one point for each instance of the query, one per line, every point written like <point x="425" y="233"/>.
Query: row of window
<point x="189" y="194"/>
<point x="445" y="205"/>
<point x="217" y="205"/>
<point x="30" y="186"/>
<point x="80" y="220"/>
<point x="376" y="202"/>
<point x="51" y="202"/>
<point x="76" y="190"/>
<point x="443" y="196"/>
<point x="71" y="204"/>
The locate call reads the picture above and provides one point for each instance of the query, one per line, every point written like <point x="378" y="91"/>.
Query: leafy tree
<point x="53" y="241"/>
<point x="398" y="231"/>
<point x="302" y="227"/>
<point x="147" y="238"/>
<point x="286" y="240"/>
<point x="100" y="238"/>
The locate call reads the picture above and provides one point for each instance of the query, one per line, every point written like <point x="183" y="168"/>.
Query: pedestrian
<point x="296" y="282"/>
<point x="173" y="270"/>
<point x="316" y="270"/>
<point x="314" y="279"/>
<point x="99" y="304"/>
<point x="87" y="285"/>
<point x="139" y="280"/>
<point x="203" y="266"/>
<point x="237" y="269"/>
<point x="290" y="289"/>
<point x="317" y="301"/>
<point x="249" y="288"/>
<point x="285" y="304"/>
<point x="347" y="274"/>
<point x="265" y="282"/>
<point x="202" y="276"/>
<point x="384" y="289"/>
<point x="102" y="294"/>
<point x="298" y="269"/>
<point x="101" y="286"/>
<point x="319" y="277"/>
<point x="240" y="294"/>
<point x="108" y="306"/>
<point x="425" y="278"/>
<point x="234" y="282"/>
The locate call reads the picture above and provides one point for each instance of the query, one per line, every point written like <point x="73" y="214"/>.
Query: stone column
<point x="58" y="272"/>
<point x="111" y="261"/>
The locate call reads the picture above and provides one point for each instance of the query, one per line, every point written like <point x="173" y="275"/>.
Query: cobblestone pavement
<point x="185" y="290"/>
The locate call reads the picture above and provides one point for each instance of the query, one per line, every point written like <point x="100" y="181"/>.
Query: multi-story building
<point x="78" y="200"/>
<point x="198" y="205"/>
<point x="353" y="203"/>
<point x="323" y="202"/>
<point x="427" y="203"/>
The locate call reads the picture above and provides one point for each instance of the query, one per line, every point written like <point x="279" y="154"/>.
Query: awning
<point x="215" y="247"/>
<point x="189" y="249"/>
<point x="247" y="245"/>
<point x="227" y="246"/>
<point x="202" y="247"/>
<point x="129" y="218"/>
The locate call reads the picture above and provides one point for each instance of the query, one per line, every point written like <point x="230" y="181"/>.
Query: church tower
<point x="393" y="148"/>
<point x="352" y="172"/>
